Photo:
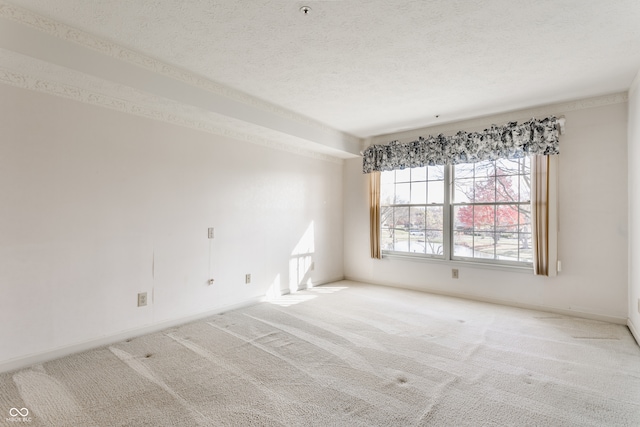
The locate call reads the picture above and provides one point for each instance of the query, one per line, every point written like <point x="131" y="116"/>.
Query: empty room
<point x="319" y="213"/>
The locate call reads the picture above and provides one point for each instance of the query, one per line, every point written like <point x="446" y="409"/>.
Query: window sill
<point x="525" y="269"/>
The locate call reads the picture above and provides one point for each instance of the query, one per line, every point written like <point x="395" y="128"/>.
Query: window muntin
<point x="482" y="213"/>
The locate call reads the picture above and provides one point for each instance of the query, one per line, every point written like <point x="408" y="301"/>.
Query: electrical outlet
<point x="454" y="273"/>
<point x="638" y="305"/>
<point x="211" y="281"/>
<point x="313" y="266"/>
<point x="210" y="233"/>
<point x="142" y="299"/>
<point x="247" y="278"/>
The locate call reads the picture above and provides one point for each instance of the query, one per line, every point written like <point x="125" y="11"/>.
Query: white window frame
<point x="448" y="232"/>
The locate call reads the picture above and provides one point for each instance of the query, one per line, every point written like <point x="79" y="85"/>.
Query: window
<point x="473" y="211"/>
<point x="412" y="210"/>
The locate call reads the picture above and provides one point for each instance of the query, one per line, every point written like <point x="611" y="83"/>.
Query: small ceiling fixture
<point x="305" y="9"/>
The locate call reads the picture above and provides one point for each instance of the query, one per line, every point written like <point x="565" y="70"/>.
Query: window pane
<point x="525" y="248"/>
<point x="463" y="191"/>
<point x="484" y="169"/>
<point x="483" y="245"/>
<point x="484" y="190"/>
<point x="434" y="218"/>
<point x="418" y="218"/>
<point x="387" y="193"/>
<point x="387" y="177"/>
<point x="463" y="243"/>
<point x="434" y="243"/>
<point x="403" y="192"/>
<point x="387" y="187"/>
<point x="463" y="170"/>
<point x="507" y="167"/>
<point x="401" y="218"/>
<point x="507" y="188"/>
<point x="416" y="243"/>
<point x="418" y="193"/>
<point x="400" y="240"/>
<point x="525" y="188"/>
<point x="386" y="217"/>
<point x="386" y="238"/>
<point x="507" y="217"/>
<point x="436" y="173"/>
<point x="484" y="217"/>
<point x="436" y="192"/>
<point x="524" y="217"/>
<point x="507" y="246"/>
<point x="463" y="218"/>
<point x="419" y="174"/>
<point x="403" y="175"/>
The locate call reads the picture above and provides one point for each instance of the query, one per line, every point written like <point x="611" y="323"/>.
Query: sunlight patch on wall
<point x="301" y="262"/>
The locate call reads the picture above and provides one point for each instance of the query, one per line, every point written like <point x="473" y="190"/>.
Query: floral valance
<point x="510" y="141"/>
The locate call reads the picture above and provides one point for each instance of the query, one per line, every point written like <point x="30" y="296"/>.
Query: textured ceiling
<point x="370" y="67"/>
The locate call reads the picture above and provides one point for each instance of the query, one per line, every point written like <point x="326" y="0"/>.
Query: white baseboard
<point x="323" y="282"/>
<point x="634" y="331"/>
<point x="574" y="313"/>
<point x="23" y="362"/>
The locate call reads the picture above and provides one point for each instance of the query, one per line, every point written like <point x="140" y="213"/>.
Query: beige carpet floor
<point x="346" y="354"/>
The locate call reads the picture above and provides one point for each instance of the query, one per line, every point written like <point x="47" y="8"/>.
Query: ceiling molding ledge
<point x="74" y="93"/>
<point x="43" y="39"/>
<point x="483" y="122"/>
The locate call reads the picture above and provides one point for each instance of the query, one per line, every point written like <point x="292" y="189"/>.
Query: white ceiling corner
<point x="321" y="83"/>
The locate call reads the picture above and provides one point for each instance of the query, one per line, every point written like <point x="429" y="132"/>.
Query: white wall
<point x="98" y="206"/>
<point x="592" y="237"/>
<point x="634" y="208"/>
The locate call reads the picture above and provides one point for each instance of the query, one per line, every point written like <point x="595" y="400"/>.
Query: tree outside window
<point x="488" y="202"/>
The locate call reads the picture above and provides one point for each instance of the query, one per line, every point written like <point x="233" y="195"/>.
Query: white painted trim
<point x="565" y="312"/>
<point x="326" y="282"/>
<point x="23" y="362"/>
<point x="634" y="331"/>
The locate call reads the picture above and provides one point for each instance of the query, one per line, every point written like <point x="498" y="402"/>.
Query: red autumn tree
<point x="490" y="218"/>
